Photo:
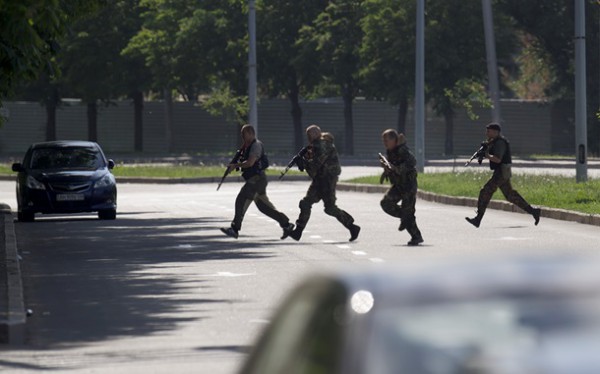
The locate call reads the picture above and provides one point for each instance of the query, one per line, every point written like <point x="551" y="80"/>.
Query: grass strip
<point x="545" y="190"/>
<point x="168" y="171"/>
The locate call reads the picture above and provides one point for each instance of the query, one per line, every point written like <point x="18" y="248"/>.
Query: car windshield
<point x="502" y="336"/>
<point x="66" y="158"/>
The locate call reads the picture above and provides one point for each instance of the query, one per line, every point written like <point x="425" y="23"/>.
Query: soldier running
<point x="402" y="173"/>
<point x="253" y="163"/>
<point x="498" y="152"/>
<point x="323" y="166"/>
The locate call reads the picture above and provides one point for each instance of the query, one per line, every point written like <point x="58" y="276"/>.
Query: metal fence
<point x="532" y="127"/>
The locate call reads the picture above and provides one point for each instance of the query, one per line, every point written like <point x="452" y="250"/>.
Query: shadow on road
<point x="88" y="280"/>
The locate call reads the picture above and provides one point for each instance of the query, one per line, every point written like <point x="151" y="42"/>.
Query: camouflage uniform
<point x="404" y="188"/>
<point x="500" y="148"/>
<point x="323" y="166"/>
<point x="255" y="190"/>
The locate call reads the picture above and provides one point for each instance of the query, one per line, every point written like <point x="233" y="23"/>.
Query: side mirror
<point x="111" y="164"/>
<point x="17" y="167"/>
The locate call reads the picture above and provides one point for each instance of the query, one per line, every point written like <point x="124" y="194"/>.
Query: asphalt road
<point x="162" y="290"/>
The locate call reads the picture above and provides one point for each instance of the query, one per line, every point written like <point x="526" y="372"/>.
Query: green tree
<point x="388" y="52"/>
<point x="133" y="77"/>
<point x="30" y="32"/>
<point x="455" y="62"/>
<point x="95" y="68"/>
<point x="90" y="62"/>
<point x="286" y="68"/>
<point x="193" y="48"/>
<point x="213" y="42"/>
<point x="550" y="26"/>
<point x="337" y="35"/>
<point x="47" y="90"/>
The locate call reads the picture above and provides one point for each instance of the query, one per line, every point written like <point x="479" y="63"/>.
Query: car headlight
<point x="34" y="184"/>
<point x="105" y="181"/>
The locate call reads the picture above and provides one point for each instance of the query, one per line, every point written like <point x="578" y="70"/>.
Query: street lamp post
<point x="253" y="114"/>
<point x="492" y="66"/>
<point x="580" y="93"/>
<point x="420" y="88"/>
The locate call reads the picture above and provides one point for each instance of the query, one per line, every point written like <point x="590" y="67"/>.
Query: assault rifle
<point x="296" y="160"/>
<point x="388" y="165"/>
<point x="234" y="160"/>
<point x="479" y="154"/>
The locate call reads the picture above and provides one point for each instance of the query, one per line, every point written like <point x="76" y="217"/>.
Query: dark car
<point x="525" y="315"/>
<point x="65" y="177"/>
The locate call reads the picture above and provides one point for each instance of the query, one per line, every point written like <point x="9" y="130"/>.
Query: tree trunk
<point x="168" y="97"/>
<point x="92" y="117"/>
<point x="349" y="121"/>
<point x="402" y="111"/>
<point x="138" y="122"/>
<point x="449" y="144"/>
<point x="294" y="95"/>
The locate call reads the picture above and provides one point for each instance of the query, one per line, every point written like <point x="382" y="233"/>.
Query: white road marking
<point x="512" y="238"/>
<point x="259" y="321"/>
<point x="328" y="241"/>
<point x="315" y="236"/>
<point x="343" y="246"/>
<point x="359" y="253"/>
<point x="229" y="274"/>
<point x="376" y="259"/>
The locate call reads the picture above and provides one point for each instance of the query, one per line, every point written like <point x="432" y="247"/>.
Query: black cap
<point x="494" y="126"/>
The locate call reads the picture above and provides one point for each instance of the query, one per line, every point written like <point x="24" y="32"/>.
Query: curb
<point x="146" y="180"/>
<point x="12" y="330"/>
<point x="559" y="214"/>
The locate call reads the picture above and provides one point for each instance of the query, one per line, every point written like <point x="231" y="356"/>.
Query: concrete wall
<point x="532" y="127"/>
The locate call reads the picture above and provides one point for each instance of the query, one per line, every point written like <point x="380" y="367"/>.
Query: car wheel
<point x="107" y="214"/>
<point x="25" y="216"/>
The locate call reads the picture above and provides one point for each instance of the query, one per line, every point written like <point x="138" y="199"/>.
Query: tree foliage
<point x="550" y="25"/>
<point x="337" y="35"/>
<point x="30" y="35"/>
<point x="307" y="49"/>
<point x="288" y="67"/>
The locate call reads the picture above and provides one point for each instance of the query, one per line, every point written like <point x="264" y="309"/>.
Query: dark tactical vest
<point x="259" y="166"/>
<point x="506" y="158"/>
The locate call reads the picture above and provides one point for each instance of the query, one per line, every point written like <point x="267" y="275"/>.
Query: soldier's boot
<point x="536" y="215"/>
<point x="354" y="231"/>
<point x="296" y="234"/>
<point x="415" y="240"/>
<point x="230" y="231"/>
<point x="287" y="230"/>
<point x="475" y="221"/>
<point x="402" y="226"/>
<point x="415" y="234"/>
